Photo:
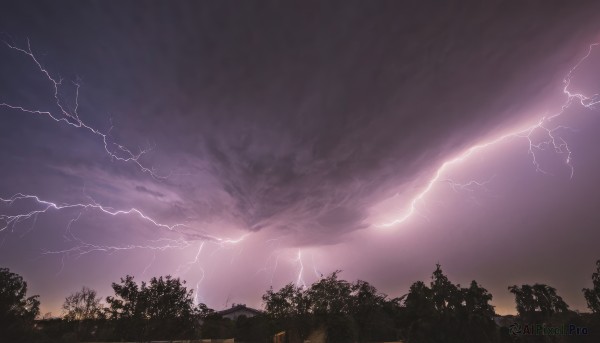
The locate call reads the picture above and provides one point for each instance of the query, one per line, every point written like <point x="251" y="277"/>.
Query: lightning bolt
<point x="300" y="279"/>
<point x="469" y="186"/>
<point x="85" y="248"/>
<point x="150" y="264"/>
<point x="273" y="244"/>
<point x="9" y="221"/>
<point x="552" y="141"/>
<point x="70" y="117"/>
<point x="318" y="274"/>
<point x="196" y="295"/>
<point x="187" y="266"/>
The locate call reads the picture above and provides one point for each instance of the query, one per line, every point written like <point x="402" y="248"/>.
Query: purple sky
<point x="290" y="135"/>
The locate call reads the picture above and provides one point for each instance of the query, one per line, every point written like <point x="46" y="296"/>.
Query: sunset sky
<point x="286" y="140"/>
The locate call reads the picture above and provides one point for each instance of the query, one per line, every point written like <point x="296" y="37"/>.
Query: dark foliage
<point x="162" y="309"/>
<point x="592" y="295"/>
<point x="17" y="310"/>
<point x="444" y="312"/>
<point x="340" y="310"/>
<point x="537" y="303"/>
<point x="330" y="310"/>
<point x="84" y="312"/>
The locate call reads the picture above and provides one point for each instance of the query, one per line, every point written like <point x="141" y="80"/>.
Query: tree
<point x="434" y="311"/>
<point x="445" y="312"/>
<point x="253" y="329"/>
<point x="127" y="308"/>
<point x="204" y="311"/>
<point x="419" y="301"/>
<point x="162" y="309"/>
<point x="373" y="313"/>
<point x="330" y="295"/>
<point x="592" y="295"/>
<point x="537" y="302"/>
<point x="289" y="301"/>
<point x="340" y="310"/>
<point x="217" y="327"/>
<point x="331" y="302"/>
<point x="290" y="310"/>
<point x="83" y="305"/>
<point x="478" y="313"/>
<point x="82" y="310"/>
<point x="446" y="296"/>
<point x="476" y="300"/>
<point x="17" y="310"/>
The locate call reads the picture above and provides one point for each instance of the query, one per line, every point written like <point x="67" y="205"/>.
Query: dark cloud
<point x="148" y="191"/>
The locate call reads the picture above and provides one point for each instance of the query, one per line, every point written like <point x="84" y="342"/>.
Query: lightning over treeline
<point x="292" y="127"/>
<point x="545" y="127"/>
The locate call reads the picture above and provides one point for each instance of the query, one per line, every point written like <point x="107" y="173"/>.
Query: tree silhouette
<point x="419" y="301"/>
<point x="339" y="310"/>
<point x="330" y="295"/>
<point x="373" y="312"/>
<point x="445" y="312"/>
<point x="538" y="302"/>
<point x="128" y="308"/>
<point x="289" y="309"/>
<point x="17" y="310"/>
<point x="476" y="300"/>
<point x="592" y="295"/>
<point x="289" y="301"/>
<point x="331" y="301"/>
<point x="161" y="309"/>
<point x="82" y="309"/>
<point x="83" y="305"/>
<point x="446" y="296"/>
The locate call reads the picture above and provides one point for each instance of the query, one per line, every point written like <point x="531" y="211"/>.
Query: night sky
<point x="286" y="140"/>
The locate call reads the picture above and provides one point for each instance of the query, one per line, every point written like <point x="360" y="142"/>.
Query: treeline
<point x="330" y="310"/>
<point x="441" y="312"/>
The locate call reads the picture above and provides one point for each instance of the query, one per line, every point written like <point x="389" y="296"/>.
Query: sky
<point x="245" y="145"/>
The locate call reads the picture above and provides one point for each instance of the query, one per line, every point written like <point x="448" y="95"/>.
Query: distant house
<point x="239" y="310"/>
